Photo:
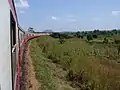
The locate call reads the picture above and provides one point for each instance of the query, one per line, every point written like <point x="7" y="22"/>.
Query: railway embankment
<point x="73" y="64"/>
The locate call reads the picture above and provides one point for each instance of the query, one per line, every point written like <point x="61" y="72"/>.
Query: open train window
<point x="13" y="47"/>
<point x="13" y="29"/>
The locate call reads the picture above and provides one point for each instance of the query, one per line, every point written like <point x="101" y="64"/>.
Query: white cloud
<point x="96" y="19"/>
<point x="70" y="15"/>
<point x="21" y="12"/>
<point x="22" y="4"/>
<point x="115" y="13"/>
<point x="54" y="18"/>
<point x="72" y="20"/>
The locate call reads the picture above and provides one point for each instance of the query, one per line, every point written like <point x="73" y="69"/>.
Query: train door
<point x="13" y="48"/>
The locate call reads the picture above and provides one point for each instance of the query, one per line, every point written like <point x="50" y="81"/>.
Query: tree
<point x="64" y="35"/>
<point x="31" y="30"/>
<point x="78" y="34"/>
<point x="114" y="31"/>
<point x="89" y="37"/>
<point x="55" y="35"/>
<point x="96" y="31"/>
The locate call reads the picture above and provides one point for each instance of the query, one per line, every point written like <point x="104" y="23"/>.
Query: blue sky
<point x="70" y="15"/>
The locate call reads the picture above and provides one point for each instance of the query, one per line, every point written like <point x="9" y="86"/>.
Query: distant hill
<point x="48" y="31"/>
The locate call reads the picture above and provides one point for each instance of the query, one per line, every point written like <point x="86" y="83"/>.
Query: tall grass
<point x="89" y="66"/>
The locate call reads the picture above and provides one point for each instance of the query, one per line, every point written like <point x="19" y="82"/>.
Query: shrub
<point x="70" y="76"/>
<point x="89" y="37"/>
<point x="81" y="36"/>
<point x="78" y="36"/>
<point x="79" y="80"/>
<point x="94" y="36"/>
<point x="117" y="41"/>
<point x="44" y="49"/>
<point x="54" y="58"/>
<point x="105" y="40"/>
<point x="61" y="41"/>
<point x="118" y="49"/>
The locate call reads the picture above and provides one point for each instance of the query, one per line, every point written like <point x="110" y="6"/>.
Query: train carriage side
<point x="8" y="45"/>
<point x="5" y="48"/>
<point x="11" y="40"/>
<point x="14" y="37"/>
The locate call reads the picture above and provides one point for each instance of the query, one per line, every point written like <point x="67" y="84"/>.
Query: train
<point x="12" y="41"/>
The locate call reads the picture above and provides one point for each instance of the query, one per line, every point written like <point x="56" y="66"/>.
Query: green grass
<point x="43" y="73"/>
<point x="93" y="66"/>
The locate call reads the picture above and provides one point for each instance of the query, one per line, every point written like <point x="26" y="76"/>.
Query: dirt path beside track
<point x="28" y="79"/>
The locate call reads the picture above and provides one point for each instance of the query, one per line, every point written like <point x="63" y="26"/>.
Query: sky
<point x="68" y="15"/>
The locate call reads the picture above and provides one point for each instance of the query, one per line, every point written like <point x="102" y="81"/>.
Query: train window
<point x="13" y="32"/>
<point x="13" y="47"/>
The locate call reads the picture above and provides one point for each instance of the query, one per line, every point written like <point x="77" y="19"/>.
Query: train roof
<point x="20" y="28"/>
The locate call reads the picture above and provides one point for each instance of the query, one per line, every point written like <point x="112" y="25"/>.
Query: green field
<point x="76" y="64"/>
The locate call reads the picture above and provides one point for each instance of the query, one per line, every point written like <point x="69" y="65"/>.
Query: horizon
<point x="83" y="15"/>
<point x="76" y="30"/>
